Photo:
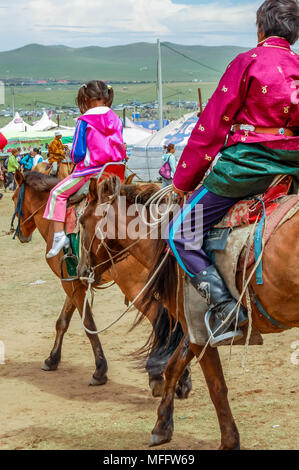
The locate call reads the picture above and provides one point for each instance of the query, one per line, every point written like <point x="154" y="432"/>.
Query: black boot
<point x="222" y="305"/>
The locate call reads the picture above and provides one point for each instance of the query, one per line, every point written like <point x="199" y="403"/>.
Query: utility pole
<point x="160" y="90"/>
<point x="200" y="102"/>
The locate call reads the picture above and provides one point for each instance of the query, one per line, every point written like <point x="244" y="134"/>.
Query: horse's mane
<point x="164" y="284"/>
<point x="39" y="181"/>
<point x="138" y="193"/>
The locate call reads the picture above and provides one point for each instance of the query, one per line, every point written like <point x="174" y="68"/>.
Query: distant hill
<point x="120" y="63"/>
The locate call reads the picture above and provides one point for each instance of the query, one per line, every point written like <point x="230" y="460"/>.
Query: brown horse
<point x="279" y="294"/>
<point x="36" y="193"/>
<point x="64" y="169"/>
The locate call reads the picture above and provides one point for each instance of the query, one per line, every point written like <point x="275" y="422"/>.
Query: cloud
<point x="108" y="22"/>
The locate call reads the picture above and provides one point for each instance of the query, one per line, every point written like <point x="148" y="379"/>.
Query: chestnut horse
<point x="279" y="294"/>
<point x="64" y="169"/>
<point x="37" y="187"/>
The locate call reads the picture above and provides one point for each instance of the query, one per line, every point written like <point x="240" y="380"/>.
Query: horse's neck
<point x="43" y="225"/>
<point x="143" y="251"/>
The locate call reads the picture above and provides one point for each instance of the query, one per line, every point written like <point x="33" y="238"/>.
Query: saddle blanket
<point x="73" y="214"/>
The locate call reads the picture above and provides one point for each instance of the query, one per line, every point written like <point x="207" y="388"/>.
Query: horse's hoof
<point x="157" y="388"/>
<point x="183" y="391"/>
<point x="48" y="368"/>
<point x="157" y="440"/>
<point x="95" y="382"/>
<point x="234" y="447"/>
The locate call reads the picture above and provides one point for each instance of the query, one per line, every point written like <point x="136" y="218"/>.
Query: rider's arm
<point x="79" y="148"/>
<point x="209" y="134"/>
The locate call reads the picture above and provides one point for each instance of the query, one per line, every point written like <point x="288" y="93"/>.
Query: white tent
<point x="44" y="124"/>
<point x="146" y="157"/>
<point x="134" y="135"/>
<point x="133" y="125"/>
<point x="15" y="126"/>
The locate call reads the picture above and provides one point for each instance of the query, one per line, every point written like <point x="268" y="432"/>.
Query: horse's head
<point x="98" y="241"/>
<point x="23" y="211"/>
<point x="30" y="199"/>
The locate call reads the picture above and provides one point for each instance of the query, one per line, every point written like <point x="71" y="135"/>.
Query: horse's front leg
<point x="163" y="429"/>
<point x="212" y="370"/>
<point x="62" y="324"/>
<point x="100" y="375"/>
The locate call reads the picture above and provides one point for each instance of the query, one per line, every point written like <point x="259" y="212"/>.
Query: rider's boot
<point x="224" y="312"/>
<point x="60" y="241"/>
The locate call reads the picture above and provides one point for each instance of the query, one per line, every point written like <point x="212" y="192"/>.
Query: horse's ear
<point x="19" y="178"/>
<point x="93" y="189"/>
<point x="129" y="179"/>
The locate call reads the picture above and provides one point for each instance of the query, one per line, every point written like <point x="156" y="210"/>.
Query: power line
<point x="189" y="58"/>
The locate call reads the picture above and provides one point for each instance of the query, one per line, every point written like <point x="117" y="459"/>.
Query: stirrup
<point x="224" y="339"/>
<point x="69" y="255"/>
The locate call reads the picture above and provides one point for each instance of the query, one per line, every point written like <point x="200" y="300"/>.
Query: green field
<point x="63" y="96"/>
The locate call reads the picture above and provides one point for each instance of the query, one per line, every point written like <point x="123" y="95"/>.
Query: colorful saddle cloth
<point x="249" y="211"/>
<point x="268" y="209"/>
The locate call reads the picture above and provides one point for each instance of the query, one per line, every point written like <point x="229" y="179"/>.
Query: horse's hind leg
<point x="62" y="324"/>
<point x="212" y="370"/>
<point x="167" y="341"/>
<point x="163" y="429"/>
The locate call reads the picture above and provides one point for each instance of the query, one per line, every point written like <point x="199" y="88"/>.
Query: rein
<point x="33" y="213"/>
<point x="119" y="257"/>
<point x="91" y="280"/>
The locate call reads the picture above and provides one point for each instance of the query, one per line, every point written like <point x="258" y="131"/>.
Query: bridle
<point x="19" y="210"/>
<point x="123" y="254"/>
<point x="115" y="258"/>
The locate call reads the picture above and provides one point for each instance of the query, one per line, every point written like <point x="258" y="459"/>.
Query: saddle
<point x="232" y="244"/>
<point x="264" y="212"/>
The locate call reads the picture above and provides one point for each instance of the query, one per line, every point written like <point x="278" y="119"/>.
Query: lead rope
<point x="248" y="300"/>
<point x="245" y="287"/>
<point x="159" y="196"/>
<point x="91" y="280"/>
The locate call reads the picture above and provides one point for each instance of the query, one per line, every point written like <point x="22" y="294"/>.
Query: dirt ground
<point x="58" y="410"/>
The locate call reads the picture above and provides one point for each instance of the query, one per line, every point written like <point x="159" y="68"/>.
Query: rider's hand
<point x="181" y="194"/>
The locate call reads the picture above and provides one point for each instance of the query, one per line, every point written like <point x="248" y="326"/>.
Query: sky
<point x="81" y="23"/>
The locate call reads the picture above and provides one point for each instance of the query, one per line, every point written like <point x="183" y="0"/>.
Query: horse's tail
<point x="166" y="342"/>
<point x="161" y="290"/>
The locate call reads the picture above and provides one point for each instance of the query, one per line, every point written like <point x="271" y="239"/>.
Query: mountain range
<point x="133" y="62"/>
